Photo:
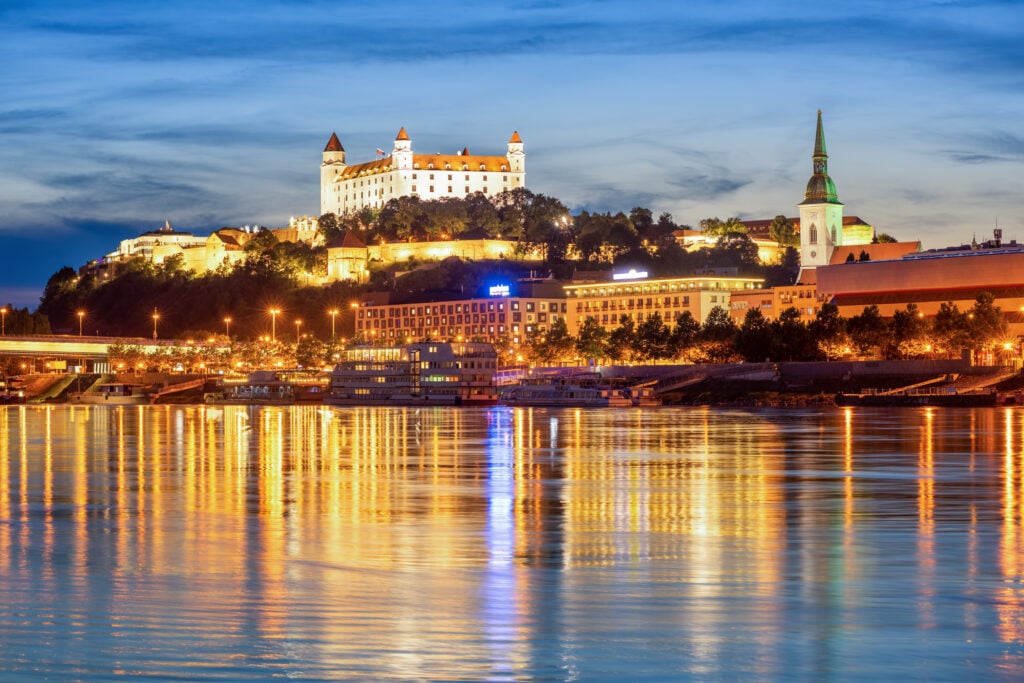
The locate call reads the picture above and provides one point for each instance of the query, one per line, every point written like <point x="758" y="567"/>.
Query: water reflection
<point x="368" y="543"/>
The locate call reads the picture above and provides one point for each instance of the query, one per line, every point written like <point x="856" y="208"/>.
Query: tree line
<point x="829" y="336"/>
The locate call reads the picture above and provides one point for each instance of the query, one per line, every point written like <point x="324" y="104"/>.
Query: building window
<point x="449" y="189"/>
<point x="813" y="236"/>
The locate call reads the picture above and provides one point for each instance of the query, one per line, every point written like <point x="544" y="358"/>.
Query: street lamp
<point x="298" y="324"/>
<point x="273" y="323"/>
<point x="227" y="327"/>
<point x="334" y="314"/>
<point x="156" y="317"/>
<point x="3" y="320"/>
<point x="81" y="317"/>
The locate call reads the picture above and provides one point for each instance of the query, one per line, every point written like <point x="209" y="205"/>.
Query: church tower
<point x="821" y="213"/>
<point x="332" y="166"/>
<point x="401" y="157"/>
<point x="516" y="155"/>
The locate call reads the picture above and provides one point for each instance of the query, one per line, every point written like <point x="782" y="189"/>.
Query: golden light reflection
<point x="1008" y="600"/>
<point x="926" y="522"/>
<point x="317" y="524"/>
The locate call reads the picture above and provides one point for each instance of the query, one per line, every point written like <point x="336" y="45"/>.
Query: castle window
<point x="812" y="237"/>
<point x="504" y="167"/>
<point x="485" y="189"/>
<point x="504" y="178"/>
<point x="449" y="176"/>
<point x="485" y="177"/>
<point x="467" y="176"/>
<point x="416" y="165"/>
<point x="465" y="167"/>
<point x="431" y="175"/>
<point x="482" y="167"/>
<point x="414" y="176"/>
<point x="431" y="188"/>
<point x="448" y="167"/>
<point x="467" y="189"/>
<point x="430" y="166"/>
<point x="449" y="189"/>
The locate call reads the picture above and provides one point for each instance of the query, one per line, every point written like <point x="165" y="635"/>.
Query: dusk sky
<point x="117" y="116"/>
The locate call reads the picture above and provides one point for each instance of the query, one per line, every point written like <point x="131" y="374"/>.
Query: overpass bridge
<point x="70" y="347"/>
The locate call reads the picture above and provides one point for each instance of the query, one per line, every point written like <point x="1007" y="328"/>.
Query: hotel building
<point x="633" y="295"/>
<point x="505" y="313"/>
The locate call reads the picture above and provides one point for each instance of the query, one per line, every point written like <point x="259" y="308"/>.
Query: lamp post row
<point x="274" y="312"/>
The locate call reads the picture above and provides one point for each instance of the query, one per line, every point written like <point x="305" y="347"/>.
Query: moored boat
<point x="425" y="373"/>
<point x="113" y="394"/>
<point x="942" y="399"/>
<point x="268" y="387"/>
<point x="582" y="390"/>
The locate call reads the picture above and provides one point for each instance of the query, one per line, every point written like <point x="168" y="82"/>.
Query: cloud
<point x="699" y="185"/>
<point x="996" y="146"/>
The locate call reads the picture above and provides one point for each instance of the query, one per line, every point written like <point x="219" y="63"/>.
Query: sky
<point x="119" y="116"/>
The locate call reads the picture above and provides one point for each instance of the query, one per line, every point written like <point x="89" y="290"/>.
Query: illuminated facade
<point x="347" y="188"/>
<point x="771" y="302"/>
<point x="641" y="298"/>
<point x="930" y="279"/>
<point x="507" y="314"/>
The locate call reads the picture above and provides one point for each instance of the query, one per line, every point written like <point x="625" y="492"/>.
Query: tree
<point x="783" y="232"/>
<point x="755" y="338"/>
<point x="684" y="335"/>
<point x="327" y="226"/>
<point x="906" y="334"/>
<point x="592" y="341"/>
<point x="950" y="330"/>
<point x="867" y="331"/>
<point x="829" y="330"/>
<point x="716" y="227"/>
<point x="716" y="336"/>
<point x="793" y="339"/>
<point x="986" y="325"/>
<point x="883" y="238"/>
<point x="652" y="339"/>
<point x="559" y="342"/>
<point x="622" y="340"/>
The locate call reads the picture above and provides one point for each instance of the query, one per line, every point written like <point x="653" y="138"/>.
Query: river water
<point x="241" y="543"/>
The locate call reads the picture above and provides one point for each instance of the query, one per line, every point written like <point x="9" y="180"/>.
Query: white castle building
<point x="345" y="188"/>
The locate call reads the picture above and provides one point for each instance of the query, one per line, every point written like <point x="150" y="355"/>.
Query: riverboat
<point x="9" y="395"/>
<point x="425" y="373"/>
<point x="267" y="387"/>
<point x="114" y="394"/>
<point x="916" y="398"/>
<point x="585" y="390"/>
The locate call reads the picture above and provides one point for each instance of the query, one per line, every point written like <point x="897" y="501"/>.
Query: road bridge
<point x="67" y="347"/>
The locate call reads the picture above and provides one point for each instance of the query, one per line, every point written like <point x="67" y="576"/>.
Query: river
<point x="242" y="543"/>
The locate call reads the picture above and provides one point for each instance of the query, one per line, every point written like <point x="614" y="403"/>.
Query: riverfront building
<point x="930" y="279"/>
<point x="505" y="313"/>
<point x="347" y="188"/>
<point x="635" y="296"/>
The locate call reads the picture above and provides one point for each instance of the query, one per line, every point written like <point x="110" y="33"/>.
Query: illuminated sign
<point x="633" y="274"/>
<point x="499" y="290"/>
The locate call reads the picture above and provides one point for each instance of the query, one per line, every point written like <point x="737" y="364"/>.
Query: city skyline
<point x="119" y="118"/>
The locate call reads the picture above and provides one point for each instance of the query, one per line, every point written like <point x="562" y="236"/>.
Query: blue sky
<point x="117" y="116"/>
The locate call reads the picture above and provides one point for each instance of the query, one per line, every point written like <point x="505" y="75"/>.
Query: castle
<point x="346" y="189"/>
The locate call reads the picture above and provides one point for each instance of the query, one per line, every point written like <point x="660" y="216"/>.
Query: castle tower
<point x="401" y="157"/>
<point x="821" y="212"/>
<point x="516" y="155"/>
<point x="332" y="166"/>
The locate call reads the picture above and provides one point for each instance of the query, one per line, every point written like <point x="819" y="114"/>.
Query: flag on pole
<point x="380" y="152"/>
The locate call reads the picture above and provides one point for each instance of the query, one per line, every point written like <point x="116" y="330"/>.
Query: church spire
<point x="820" y="188"/>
